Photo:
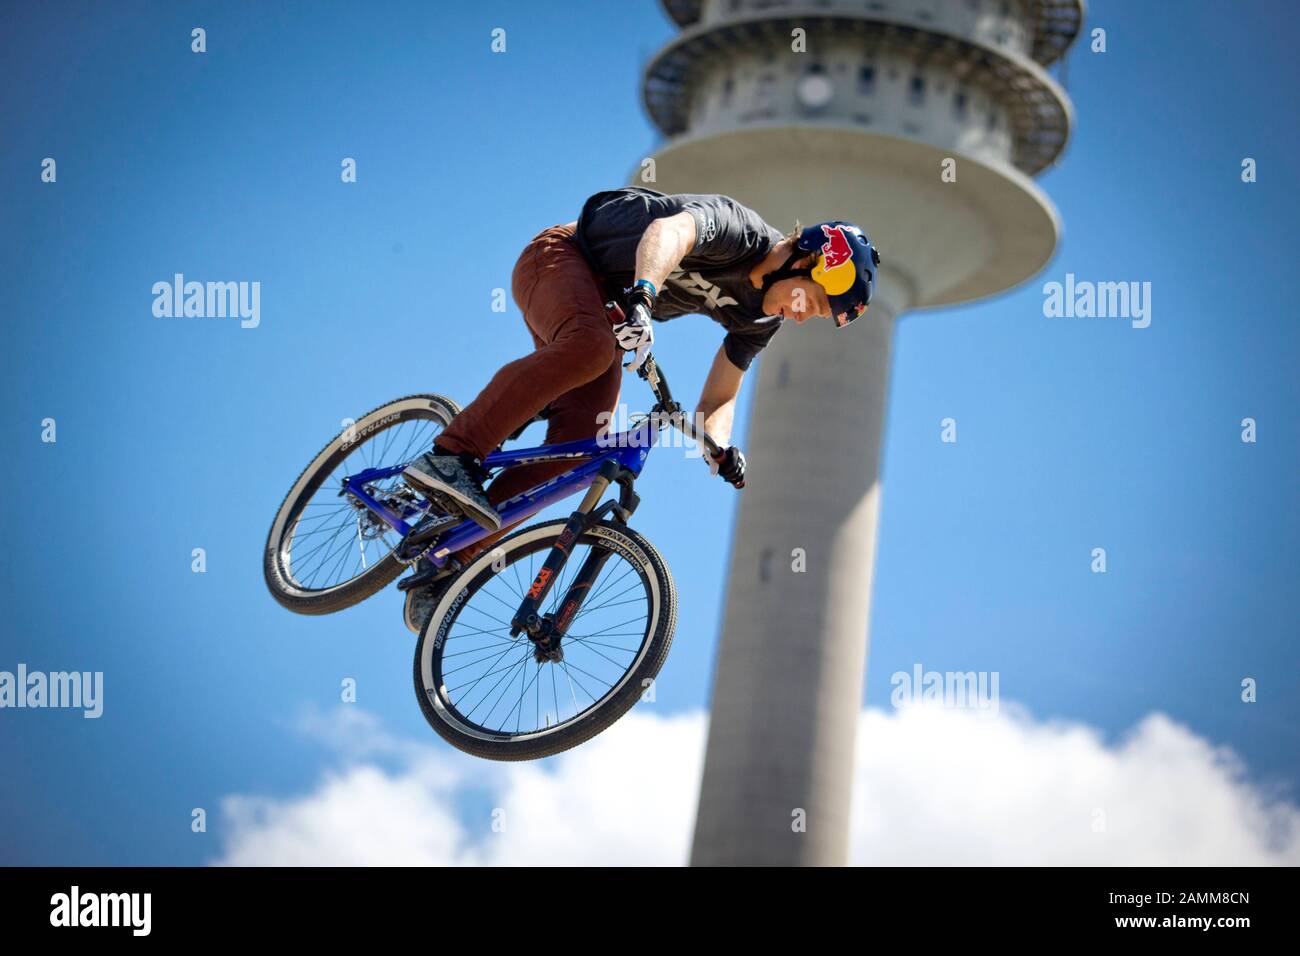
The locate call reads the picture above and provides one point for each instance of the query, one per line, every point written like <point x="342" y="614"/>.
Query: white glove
<point x="636" y="335"/>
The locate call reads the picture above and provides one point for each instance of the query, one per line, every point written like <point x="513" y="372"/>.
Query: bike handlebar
<point x="678" y="418"/>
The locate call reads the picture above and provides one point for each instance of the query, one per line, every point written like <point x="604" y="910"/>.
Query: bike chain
<point x="406" y="563"/>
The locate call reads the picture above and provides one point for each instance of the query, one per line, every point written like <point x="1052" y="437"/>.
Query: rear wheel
<point x="327" y="551"/>
<point x="485" y="693"/>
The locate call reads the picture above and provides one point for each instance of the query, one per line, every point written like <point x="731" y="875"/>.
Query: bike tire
<point x="276" y="558"/>
<point x="437" y="708"/>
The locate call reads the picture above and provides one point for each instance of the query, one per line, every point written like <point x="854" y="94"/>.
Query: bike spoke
<point x="332" y="540"/>
<point x="486" y="677"/>
<point x="522" y="664"/>
<point x="494" y="686"/>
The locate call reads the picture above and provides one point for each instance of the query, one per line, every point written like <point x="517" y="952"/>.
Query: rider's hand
<point x="635" y="334"/>
<point x="730" y="464"/>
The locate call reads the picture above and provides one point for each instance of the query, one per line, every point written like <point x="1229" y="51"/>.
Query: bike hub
<point x="545" y="638"/>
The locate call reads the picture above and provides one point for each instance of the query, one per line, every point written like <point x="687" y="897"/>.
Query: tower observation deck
<point x="842" y="109"/>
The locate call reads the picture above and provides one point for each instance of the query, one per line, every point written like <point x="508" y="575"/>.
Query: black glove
<point x="730" y="464"/>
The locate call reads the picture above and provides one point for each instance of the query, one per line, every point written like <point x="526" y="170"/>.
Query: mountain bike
<point x="536" y="644"/>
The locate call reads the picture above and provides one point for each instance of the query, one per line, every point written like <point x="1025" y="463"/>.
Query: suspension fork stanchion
<point x="526" y="619"/>
<point x="579" y="590"/>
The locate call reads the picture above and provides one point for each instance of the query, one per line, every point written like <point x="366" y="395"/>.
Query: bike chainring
<point x="426" y="524"/>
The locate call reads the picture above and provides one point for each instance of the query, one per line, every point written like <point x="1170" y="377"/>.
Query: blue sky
<point x="178" y="434"/>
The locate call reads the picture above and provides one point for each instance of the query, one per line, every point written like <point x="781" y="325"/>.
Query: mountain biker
<point x="661" y="257"/>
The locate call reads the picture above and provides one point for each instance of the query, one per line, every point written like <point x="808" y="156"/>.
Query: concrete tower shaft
<point x="842" y="109"/>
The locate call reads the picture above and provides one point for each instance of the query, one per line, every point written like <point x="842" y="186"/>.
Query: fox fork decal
<point x="526" y="618"/>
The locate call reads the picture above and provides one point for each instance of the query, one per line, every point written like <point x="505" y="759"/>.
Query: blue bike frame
<point x="628" y="449"/>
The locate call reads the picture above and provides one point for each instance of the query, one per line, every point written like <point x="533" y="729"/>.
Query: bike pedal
<point x="428" y="575"/>
<point x="449" y="506"/>
<point x="430" y="526"/>
<point x="423" y="536"/>
<point x="413" y="581"/>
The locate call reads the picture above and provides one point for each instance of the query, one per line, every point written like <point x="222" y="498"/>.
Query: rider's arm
<point x="663" y="245"/>
<point x="717" y="403"/>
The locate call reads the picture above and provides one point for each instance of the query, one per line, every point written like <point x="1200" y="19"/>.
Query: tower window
<point x="916" y="90"/>
<point x="765" y="96"/>
<point x="867" y="80"/>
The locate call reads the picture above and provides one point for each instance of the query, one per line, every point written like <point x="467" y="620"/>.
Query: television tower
<point x="922" y="121"/>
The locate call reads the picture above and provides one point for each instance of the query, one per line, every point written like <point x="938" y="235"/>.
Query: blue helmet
<point x="846" y="266"/>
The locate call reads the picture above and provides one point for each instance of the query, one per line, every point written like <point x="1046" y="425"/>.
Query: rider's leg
<point x="581" y="349"/>
<point x="574" y="415"/>
<point x="564" y="309"/>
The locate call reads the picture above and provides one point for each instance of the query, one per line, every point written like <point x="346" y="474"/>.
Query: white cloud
<point x="627" y="797"/>
<point x="932" y="786"/>
<point x="958" y="787"/>
<point x="363" y="816"/>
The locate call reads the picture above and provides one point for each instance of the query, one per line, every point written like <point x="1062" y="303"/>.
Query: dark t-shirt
<point x="713" y="278"/>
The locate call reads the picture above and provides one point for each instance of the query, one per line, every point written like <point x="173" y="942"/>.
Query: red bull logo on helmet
<point x="836" y="250"/>
<point x="835" y="271"/>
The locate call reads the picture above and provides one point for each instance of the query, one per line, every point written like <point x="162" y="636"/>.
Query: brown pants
<point x="575" y="368"/>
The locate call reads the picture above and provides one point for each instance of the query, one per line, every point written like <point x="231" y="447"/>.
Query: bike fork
<point x="546" y="631"/>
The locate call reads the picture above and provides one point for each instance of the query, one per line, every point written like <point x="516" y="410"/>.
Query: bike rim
<point x="488" y="684"/>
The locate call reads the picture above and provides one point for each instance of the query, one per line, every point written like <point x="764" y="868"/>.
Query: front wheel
<point x="484" y="691"/>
